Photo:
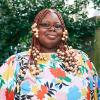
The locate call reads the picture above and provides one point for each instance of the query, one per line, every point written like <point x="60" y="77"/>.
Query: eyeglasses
<point x="46" y="25"/>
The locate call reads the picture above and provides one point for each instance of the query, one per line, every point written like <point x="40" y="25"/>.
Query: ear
<point x="34" y="25"/>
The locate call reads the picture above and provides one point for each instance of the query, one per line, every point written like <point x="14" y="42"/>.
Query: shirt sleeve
<point x="92" y="77"/>
<point x="7" y="79"/>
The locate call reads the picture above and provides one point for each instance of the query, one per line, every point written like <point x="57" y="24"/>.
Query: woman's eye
<point x="47" y="25"/>
<point x="44" y="24"/>
<point x="58" y="26"/>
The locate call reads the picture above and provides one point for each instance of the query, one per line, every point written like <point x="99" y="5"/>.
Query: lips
<point x="51" y="35"/>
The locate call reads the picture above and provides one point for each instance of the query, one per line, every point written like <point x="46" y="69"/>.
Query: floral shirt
<point x="52" y="83"/>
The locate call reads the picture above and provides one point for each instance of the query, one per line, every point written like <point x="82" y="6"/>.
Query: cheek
<point x="42" y="32"/>
<point x="60" y="34"/>
<point x="46" y="42"/>
<point x="42" y="35"/>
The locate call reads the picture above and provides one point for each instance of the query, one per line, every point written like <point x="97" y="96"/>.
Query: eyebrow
<point x="48" y="22"/>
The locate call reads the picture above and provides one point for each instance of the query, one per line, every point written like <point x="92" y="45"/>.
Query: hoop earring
<point x="35" y="30"/>
<point x="65" y="35"/>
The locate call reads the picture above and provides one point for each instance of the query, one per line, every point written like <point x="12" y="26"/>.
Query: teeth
<point x="52" y="36"/>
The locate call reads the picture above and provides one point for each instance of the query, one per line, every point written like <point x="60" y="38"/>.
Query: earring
<point x="65" y="35"/>
<point x="35" y="30"/>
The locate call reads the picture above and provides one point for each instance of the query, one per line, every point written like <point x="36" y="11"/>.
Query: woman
<point x="50" y="70"/>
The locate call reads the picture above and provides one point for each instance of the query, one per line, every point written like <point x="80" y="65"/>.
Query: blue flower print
<point x="25" y="87"/>
<point x="74" y="93"/>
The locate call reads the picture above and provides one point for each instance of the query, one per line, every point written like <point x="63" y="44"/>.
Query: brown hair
<point x="38" y="20"/>
<point x="64" y="53"/>
<point x="44" y="12"/>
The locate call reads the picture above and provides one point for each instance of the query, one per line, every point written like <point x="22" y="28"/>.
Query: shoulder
<point x="25" y="53"/>
<point x="15" y="57"/>
<point x="83" y="58"/>
<point x="82" y="54"/>
<point x="15" y="61"/>
<point x="86" y="62"/>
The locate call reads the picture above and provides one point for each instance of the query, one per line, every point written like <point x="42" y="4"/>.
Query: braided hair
<point x="66" y="54"/>
<point x="63" y="49"/>
<point x="39" y="18"/>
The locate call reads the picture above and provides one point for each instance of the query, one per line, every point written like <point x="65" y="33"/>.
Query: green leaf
<point x="1" y="82"/>
<point x="53" y="56"/>
<point x="67" y="79"/>
<point x="42" y="66"/>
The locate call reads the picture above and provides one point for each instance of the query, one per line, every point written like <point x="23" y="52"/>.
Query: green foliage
<point x="1" y="82"/>
<point x="96" y="4"/>
<point x="16" y="17"/>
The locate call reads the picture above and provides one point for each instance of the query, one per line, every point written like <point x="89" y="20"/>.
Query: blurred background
<point x="82" y="19"/>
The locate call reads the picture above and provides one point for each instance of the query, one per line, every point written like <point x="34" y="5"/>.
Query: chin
<point x="52" y="46"/>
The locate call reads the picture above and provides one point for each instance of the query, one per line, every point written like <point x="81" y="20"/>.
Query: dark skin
<point x="51" y="37"/>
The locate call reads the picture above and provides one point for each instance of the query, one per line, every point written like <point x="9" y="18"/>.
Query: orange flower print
<point x="11" y="59"/>
<point x="57" y="72"/>
<point x="9" y="95"/>
<point x="42" y="92"/>
<point x="89" y="64"/>
<point x="88" y="94"/>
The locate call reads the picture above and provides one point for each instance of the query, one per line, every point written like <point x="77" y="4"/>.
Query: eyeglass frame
<point x="60" y="28"/>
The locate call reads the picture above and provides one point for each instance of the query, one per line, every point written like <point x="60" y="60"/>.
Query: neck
<point x="47" y="50"/>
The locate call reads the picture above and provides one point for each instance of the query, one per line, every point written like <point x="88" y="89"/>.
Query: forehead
<point x="52" y="17"/>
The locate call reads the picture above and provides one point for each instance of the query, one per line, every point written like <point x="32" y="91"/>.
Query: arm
<point x="6" y="79"/>
<point x="92" y="77"/>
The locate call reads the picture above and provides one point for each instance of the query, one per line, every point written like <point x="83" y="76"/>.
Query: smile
<point x="51" y="35"/>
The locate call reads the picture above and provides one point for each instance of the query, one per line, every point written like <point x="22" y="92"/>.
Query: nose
<point x="52" y="28"/>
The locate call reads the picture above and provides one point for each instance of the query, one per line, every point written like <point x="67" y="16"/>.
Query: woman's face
<point x="50" y="31"/>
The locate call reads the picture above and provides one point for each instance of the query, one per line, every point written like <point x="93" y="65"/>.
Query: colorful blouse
<point x="52" y="83"/>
